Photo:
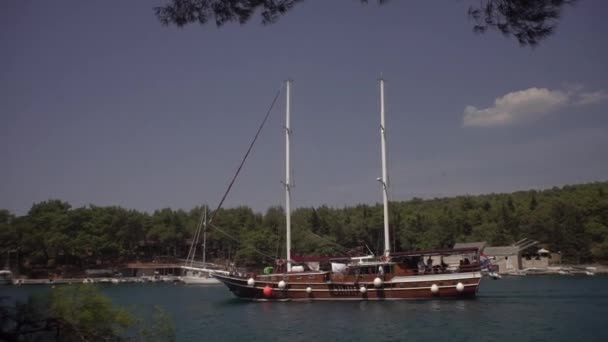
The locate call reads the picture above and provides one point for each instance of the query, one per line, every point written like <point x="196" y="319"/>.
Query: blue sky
<point x="101" y="104"/>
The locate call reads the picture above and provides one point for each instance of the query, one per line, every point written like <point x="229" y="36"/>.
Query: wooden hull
<point x="311" y="287"/>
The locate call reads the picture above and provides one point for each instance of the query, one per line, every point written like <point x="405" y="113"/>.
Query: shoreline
<point x="89" y="280"/>
<point x="564" y="270"/>
<point x="589" y="270"/>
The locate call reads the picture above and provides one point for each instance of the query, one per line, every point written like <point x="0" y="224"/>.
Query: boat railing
<point x="473" y="267"/>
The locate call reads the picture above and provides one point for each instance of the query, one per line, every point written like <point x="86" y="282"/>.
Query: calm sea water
<point x="532" y="308"/>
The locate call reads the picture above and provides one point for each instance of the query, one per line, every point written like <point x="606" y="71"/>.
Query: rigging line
<point x="324" y="239"/>
<point x="195" y="241"/>
<point x="198" y="235"/>
<point x="344" y="249"/>
<point x="237" y="241"/>
<point x="255" y="138"/>
<point x="261" y="253"/>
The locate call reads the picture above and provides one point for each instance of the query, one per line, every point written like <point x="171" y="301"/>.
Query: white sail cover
<point x="313" y="265"/>
<point x="337" y="267"/>
<point x="298" y="268"/>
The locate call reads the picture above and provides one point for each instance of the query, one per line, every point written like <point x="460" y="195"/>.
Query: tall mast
<point x="287" y="174"/>
<point x="205" y="236"/>
<point x="384" y="180"/>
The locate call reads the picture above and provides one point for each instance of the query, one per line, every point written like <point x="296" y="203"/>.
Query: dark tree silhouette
<point x="183" y="12"/>
<point x="529" y="21"/>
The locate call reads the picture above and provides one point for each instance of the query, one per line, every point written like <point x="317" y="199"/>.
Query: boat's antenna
<point x="287" y="175"/>
<point x="384" y="178"/>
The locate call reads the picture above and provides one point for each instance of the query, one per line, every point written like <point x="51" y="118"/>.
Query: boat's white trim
<point x="435" y="277"/>
<point x="350" y="299"/>
<point x="287" y="275"/>
<point x="427" y="288"/>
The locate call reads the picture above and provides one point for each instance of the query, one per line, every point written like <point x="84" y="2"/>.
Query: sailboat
<point x="390" y="276"/>
<point x="195" y="273"/>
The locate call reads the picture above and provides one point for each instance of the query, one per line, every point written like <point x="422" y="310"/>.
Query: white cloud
<point x="592" y="98"/>
<point x="528" y="105"/>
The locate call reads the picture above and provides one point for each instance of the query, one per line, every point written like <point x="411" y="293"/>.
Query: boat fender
<point x="308" y="290"/>
<point x="282" y="284"/>
<point x="434" y="288"/>
<point x="250" y="282"/>
<point x="267" y="291"/>
<point x="362" y="289"/>
<point x="459" y="287"/>
<point x="378" y="282"/>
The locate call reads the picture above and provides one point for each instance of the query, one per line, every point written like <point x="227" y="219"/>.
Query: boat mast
<point x="384" y="172"/>
<point x="287" y="174"/>
<point x="205" y="237"/>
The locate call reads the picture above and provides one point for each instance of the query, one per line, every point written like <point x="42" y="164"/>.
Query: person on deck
<point x="443" y="264"/>
<point x="421" y="266"/>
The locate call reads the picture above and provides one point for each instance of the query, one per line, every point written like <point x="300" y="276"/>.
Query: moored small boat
<point x="6" y="277"/>
<point x="203" y="275"/>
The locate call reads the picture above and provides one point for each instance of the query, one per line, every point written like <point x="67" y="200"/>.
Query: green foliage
<point x="600" y="251"/>
<point x="78" y="313"/>
<point x="572" y="220"/>
<point x="85" y="314"/>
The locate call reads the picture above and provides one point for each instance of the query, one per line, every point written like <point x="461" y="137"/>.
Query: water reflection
<point x="461" y="305"/>
<point x="435" y="305"/>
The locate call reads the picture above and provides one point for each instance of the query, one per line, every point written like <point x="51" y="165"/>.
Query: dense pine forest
<point x="572" y="220"/>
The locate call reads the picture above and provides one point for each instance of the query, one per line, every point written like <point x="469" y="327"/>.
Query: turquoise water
<point x="532" y="308"/>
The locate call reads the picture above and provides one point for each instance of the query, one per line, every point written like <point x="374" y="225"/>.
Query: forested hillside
<point x="572" y="219"/>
